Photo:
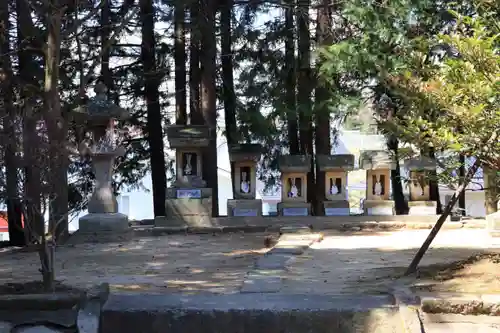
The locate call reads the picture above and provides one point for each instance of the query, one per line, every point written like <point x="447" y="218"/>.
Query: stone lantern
<point x="294" y="170"/>
<point x="336" y="168"/>
<point x="245" y="158"/>
<point x="98" y="118"/>
<point x="419" y="186"/>
<point x="378" y="165"/>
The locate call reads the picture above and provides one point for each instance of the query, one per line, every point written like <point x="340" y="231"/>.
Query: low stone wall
<point x="61" y="312"/>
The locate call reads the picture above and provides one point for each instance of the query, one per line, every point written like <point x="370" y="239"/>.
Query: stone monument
<point x="378" y="165"/>
<point x="189" y="201"/>
<point x="420" y="203"/>
<point x="336" y="168"/>
<point x="294" y="169"/>
<point x="98" y="118"/>
<point x="245" y="158"/>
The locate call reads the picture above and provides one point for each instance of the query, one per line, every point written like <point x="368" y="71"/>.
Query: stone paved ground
<point x="215" y="263"/>
<point x="363" y="262"/>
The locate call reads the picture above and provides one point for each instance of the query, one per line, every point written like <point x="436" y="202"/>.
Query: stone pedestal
<point x="187" y="207"/>
<point x="422" y="208"/>
<point x="244" y="207"/>
<point x="378" y="207"/>
<point x="337" y="208"/>
<point x="103" y="208"/>
<point x="103" y="222"/>
<point x="294" y="208"/>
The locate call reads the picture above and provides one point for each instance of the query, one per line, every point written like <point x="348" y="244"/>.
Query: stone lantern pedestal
<point x="103" y="208"/>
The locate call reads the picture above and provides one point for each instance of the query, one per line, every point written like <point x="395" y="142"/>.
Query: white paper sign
<point x="189" y="194"/>
<point x="295" y="211"/>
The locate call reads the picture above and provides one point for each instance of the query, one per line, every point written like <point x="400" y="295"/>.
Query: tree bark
<point x="58" y="195"/>
<point x="290" y="83"/>
<point x="209" y="97"/>
<point x="304" y="95"/>
<point x="322" y="113"/>
<point x="10" y="145"/>
<point x="227" y="79"/>
<point x="105" y="24"/>
<point x="461" y="175"/>
<point x="400" y="203"/>
<point x="33" y="219"/>
<point x="434" y="185"/>
<point x="447" y="211"/>
<point x="58" y="162"/>
<point x="180" y="63"/>
<point x="492" y="190"/>
<point x="152" y="95"/>
<point x="194" y="65"/>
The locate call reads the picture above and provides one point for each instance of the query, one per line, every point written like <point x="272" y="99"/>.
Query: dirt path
<point x="191" y="263"/>
<point x="368" y="263"/>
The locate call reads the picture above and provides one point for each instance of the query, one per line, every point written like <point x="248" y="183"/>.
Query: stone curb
<point x="146" y="231"/>
<point x="259" y="312"/>
<point x="266" y="277"/>
<point x="55" y="301"/>
<point x="465" y="304"/>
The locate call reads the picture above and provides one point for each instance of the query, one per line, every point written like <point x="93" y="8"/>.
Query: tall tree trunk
<point x="194" y="64"/>
<point x="105" y="24"/>
<point x="180" y="63"/>
<point x="152" y="95"/>
<point x="58" y="197"/>
<point x="434" y="185"/>
<point x="58" y="156"/>
<point x="492" y="190"/>
<point x="397" y="185"/>
<point x="290" y="85"/>
<point x="16" y="234"/>
<point x="322" y="113"/>
<point x="227" y="79"/>
<point x="34" y="221"/>
<point x="304" y="94"/>
<point x="209" y="97"/>
<point x="461" y="175"/>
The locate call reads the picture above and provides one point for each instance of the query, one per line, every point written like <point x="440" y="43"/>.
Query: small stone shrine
<point x="245" y="158"/>
<point x="418" y="184"/>
<point x="336" y="168"/>
<point x="294" y="169"/>
<point x="378" y="165"/>
<point x="98" y="118"/>
<point x="189" y="201"/>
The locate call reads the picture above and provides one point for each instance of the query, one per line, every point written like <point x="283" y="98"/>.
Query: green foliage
<point x="453" y="105"/>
